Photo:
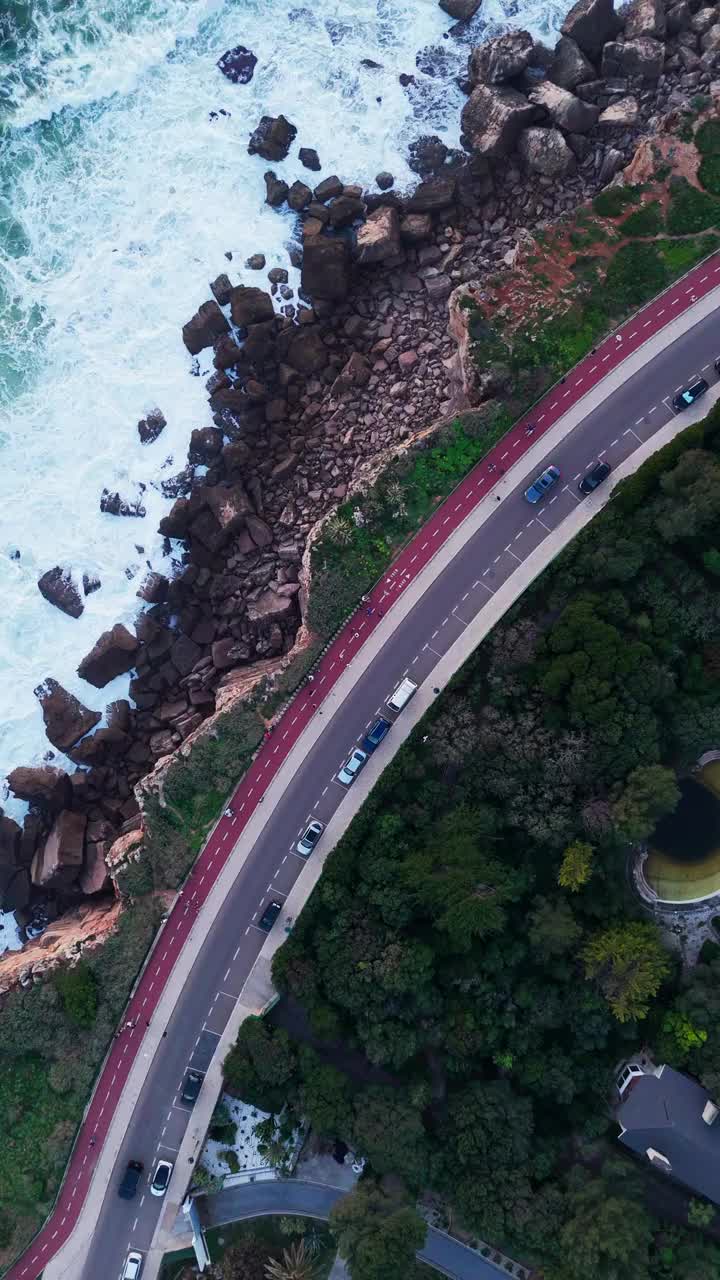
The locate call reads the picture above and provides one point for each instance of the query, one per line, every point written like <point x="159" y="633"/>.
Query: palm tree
<point x="297" y="1263"/>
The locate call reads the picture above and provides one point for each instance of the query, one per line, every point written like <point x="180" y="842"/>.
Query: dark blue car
<point x="375" y="734"/>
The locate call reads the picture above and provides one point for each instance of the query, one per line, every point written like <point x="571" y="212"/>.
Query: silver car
<point x="310" y="837"/>
<point x="352" y="767"/>
<point x="133" y="1266"/>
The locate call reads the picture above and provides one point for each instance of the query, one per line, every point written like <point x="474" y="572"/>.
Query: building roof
<point x="664" y="1113"/>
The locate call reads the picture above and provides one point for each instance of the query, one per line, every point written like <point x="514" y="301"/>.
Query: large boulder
<point x="326" y="268"/>
<point x="113" y="654"/>
<point x="710" y="40"/>
<point x="545" y="151"/>
<point x="273" y="138"/>
<point x="95" y="877"/>
<point x="493" y="118"/>
<point x="229" y="504"/>
<point x="643" y="58"/>
<point x="269" y="607"/>
<point x="427" y="155"/>
<point x="205" y="445"/>
<point x="569" y="66"/>
<point x="379" y="236"/>
<point x="60" y="859"/>
<point x="206" y="326"/>
<point x="58" y="588"/>
<point x="500" y="59"/>
<point x="150" y="428"/>
<point x="433" y="194"/>
<point x="623" y="114"/>
<point x="463" y="10"/>
<point x="250" y="306"/>
<point x="66" y="719"/>
<point x="645" y="18"/>
<point x="590" y="23"/>
<point x="307" y="352"/>
<point x="238" y="64"/>
<point x="41" y="785"/>
<point x="564" y="109"/>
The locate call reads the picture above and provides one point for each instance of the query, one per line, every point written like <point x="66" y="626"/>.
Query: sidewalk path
<point x="434" y="534"/>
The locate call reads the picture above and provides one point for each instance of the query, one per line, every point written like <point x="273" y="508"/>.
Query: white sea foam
<point x="125" y="197"/>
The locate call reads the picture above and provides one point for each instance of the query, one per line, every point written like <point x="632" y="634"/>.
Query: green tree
<point x="296" y="1263"/>
<point x="553" y="927"/>
<point x="650" y="792"/>
<point x="628" y="962"/>
<point x="325" y="1096"/>
<point x="260" y="1065"/>
<point x="390" y="1132"/>
<point x="606" y="1235"/>
<point x="701" y="1213"/>
<point x="576" y="867"/>
<point x="78" y="991"/>
<point x="377" y="1236"/>
<point x="245" y="1260"/>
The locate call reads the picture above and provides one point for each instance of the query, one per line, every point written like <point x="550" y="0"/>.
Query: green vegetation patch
<point x="611" y="202"/>
<point x="647" y="221"/>
<point x="690" y="210"/>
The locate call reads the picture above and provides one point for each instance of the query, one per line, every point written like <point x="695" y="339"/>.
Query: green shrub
<point x="636" y="273"/>
<point x="647" y="221"/>
<point x="690" y="210"/>
<point x="633" y="491"/>
<point x="611" y="202"/>
<point x="78" y="992"/>
<point x="707" y="138"/>
<point x="709" y="174"/>
<point x="680" y="255"/>
<point x="709" y="951"/>
<point x="229" y="1157"/>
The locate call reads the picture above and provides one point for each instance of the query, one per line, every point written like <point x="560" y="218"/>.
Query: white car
<point x="161" y="1178"/>
<point x="133" y="1266"/>
<point x="310" y="837"/>
<point x="351" y="769"/>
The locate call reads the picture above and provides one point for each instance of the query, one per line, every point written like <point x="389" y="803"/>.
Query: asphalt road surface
<point x="450" y="603"/>
<point x="627" y="418"/>
<point x="315" y="1201"/>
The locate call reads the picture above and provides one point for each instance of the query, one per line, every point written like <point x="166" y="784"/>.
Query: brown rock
<point x="269" y="607"/>
<point x="546" y="151"/>
<point x="379" y="236"/>
<point x="250" y="306"/>
<point x="41" y="785"/>
<point x="307" y="352"/>
<point x="501" y="59"/>
<point x="154" y="588"/>
<point x="644" y="58"/>
<point x="273" y="138"/>
<point x="570" y="67"/>
<point x="59" y="860"/>
<point x="328" y="188"/>
<point x="564" y="109"/>
<point x="205" y="445"/>
<point x="590" y="23"/>
<point x="416" y="227"/>
<point x="95" y="877"/>
<point x="259" y="531"/>
<point x="276" y="191"/>
<point x="184" y="654"/>
<point x="344" y="210"/>
<point x="221" y="288"/>
<point x="229" y="504"/>
<point x="113" y="654"/>
<point x="228" y="652"/>
<point x="493" y="118"/>
<point x="58" y="588"/>
<point x="151" y="427"/>
<point x="309" y="159"/>
<point x="175" y="523"/>
<point x="299" y="196"/>
<point x="206" y="326"/>
<point x="326" y="268"/>
<point x="645" y="18"/>
<point x="463" y="10"/>
<point x="435" y="193"/>
<point x="66" y="719"/>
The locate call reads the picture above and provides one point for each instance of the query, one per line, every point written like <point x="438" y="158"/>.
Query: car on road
<point x="594" y="477"/>
<point x="687" y="397"/>
<point x="270" y="915"/>
<point x="352" y="767"/>
<point x="161" y="1178"/>
<point x="717" y="365"/>
<point x="191" y="1086"/>
<point x="133" y="1266"/>
<point x="130" y="1179"/>
<point x="375" y="734"/>
<point x="544" y="482"/>
<point x="310" y="837"/>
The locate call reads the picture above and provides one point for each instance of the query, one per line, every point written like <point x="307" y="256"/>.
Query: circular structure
<point x="682" y="863"/>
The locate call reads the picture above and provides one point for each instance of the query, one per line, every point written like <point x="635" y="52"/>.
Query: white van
<point x="402" y="695"/>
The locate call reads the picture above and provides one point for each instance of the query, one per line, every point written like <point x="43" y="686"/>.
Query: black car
<point x="594" y="477"/>
<point x="191" y="1086"/>
<point x="687" y="397"/>
<point x="270" y="915"/>
<point x="376" y="733"/>
<point x="717" y="365"/>
<point x="131" y="1177"/>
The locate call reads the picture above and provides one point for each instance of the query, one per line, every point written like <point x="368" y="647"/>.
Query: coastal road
<point x="627" y="418"/>
<point x="311" y="1199"/>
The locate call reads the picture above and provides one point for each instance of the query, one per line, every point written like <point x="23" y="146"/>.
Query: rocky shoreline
<point x="307" y="395"/>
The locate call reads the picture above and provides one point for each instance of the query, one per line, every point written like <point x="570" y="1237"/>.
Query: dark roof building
<point x="669" y="1119"/>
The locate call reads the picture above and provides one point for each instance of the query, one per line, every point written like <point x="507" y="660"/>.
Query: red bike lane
<point x="305" y="704"/>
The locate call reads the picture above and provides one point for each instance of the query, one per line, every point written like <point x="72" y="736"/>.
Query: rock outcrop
<point x="546" y="151"/>
<point x="500" y="59"/>
<point x="66" y="719"/>
<point x="113" y="654"/>
<point x="60" y="859"/>
<point x="238" y="64"/>
<point x="590" y="23"/>
<point x="273" y="138"/>
<point x="41" y="785"/>
<point x="493" y="119"/>
<point x="58" y="588"/>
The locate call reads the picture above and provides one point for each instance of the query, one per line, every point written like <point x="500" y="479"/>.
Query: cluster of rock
<point x="309" y="393"/>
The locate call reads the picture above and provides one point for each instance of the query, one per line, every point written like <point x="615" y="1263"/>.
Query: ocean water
<point x="119" y="199"/>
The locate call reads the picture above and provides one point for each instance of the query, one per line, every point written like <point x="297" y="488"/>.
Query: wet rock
<point x="41" y="785"/>
<point x="564" y="109"/>
<point x="326" y="268"/>
<point x="463" y="10"/>
<point x="620" y="115"/>
<point x="416" y="227"/>
<point x="206" y="326"/>
<point x="384" y="180"/>
<point x="356" y="373"/>
<point x="221" y="288"/>
<point x="643" y="58"/>
<point x="66" y="719"/>
<point x="58" y="588"/>
<point x="345" y="210"/>
<point x="493" y="118"/>
<point x="229" y="504"/>
<point x="590" y="23"/>
<point x="238" y="64"/>
<point x="205" y="445"/>
<point x="432" y="195"/>
<point x="150" y="428"/>
<point x="500" y="59"/>
<point x="255" y="262"/>
<point x="309" y="159"/>
<point x="175" y="523"/>
<point x="154" y="588"/>
<point x="569" y="66"/>
<point x="113" y="654"/>
<point x="112" y="504"/>
<point x="545" y="151"/>
<point x="184" y="654"/>
<point x="307" y="352"/>
<point x="645" y="18"/>
<point x="299" y="195"/>
<point x="273" y="138"/>
<point x="59" y="860"/>
<point x="91" y="583"/>
<point x="427" y="155"/>
<point x="328" y="189"/>
<point x="379" y="236"/>
<point x="250" y="306"/>
<point x="276" y="191"/>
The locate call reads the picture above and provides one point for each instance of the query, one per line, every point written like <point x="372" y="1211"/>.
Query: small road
<point x="310" y="1199"/>
<point x="454" y="597"/>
